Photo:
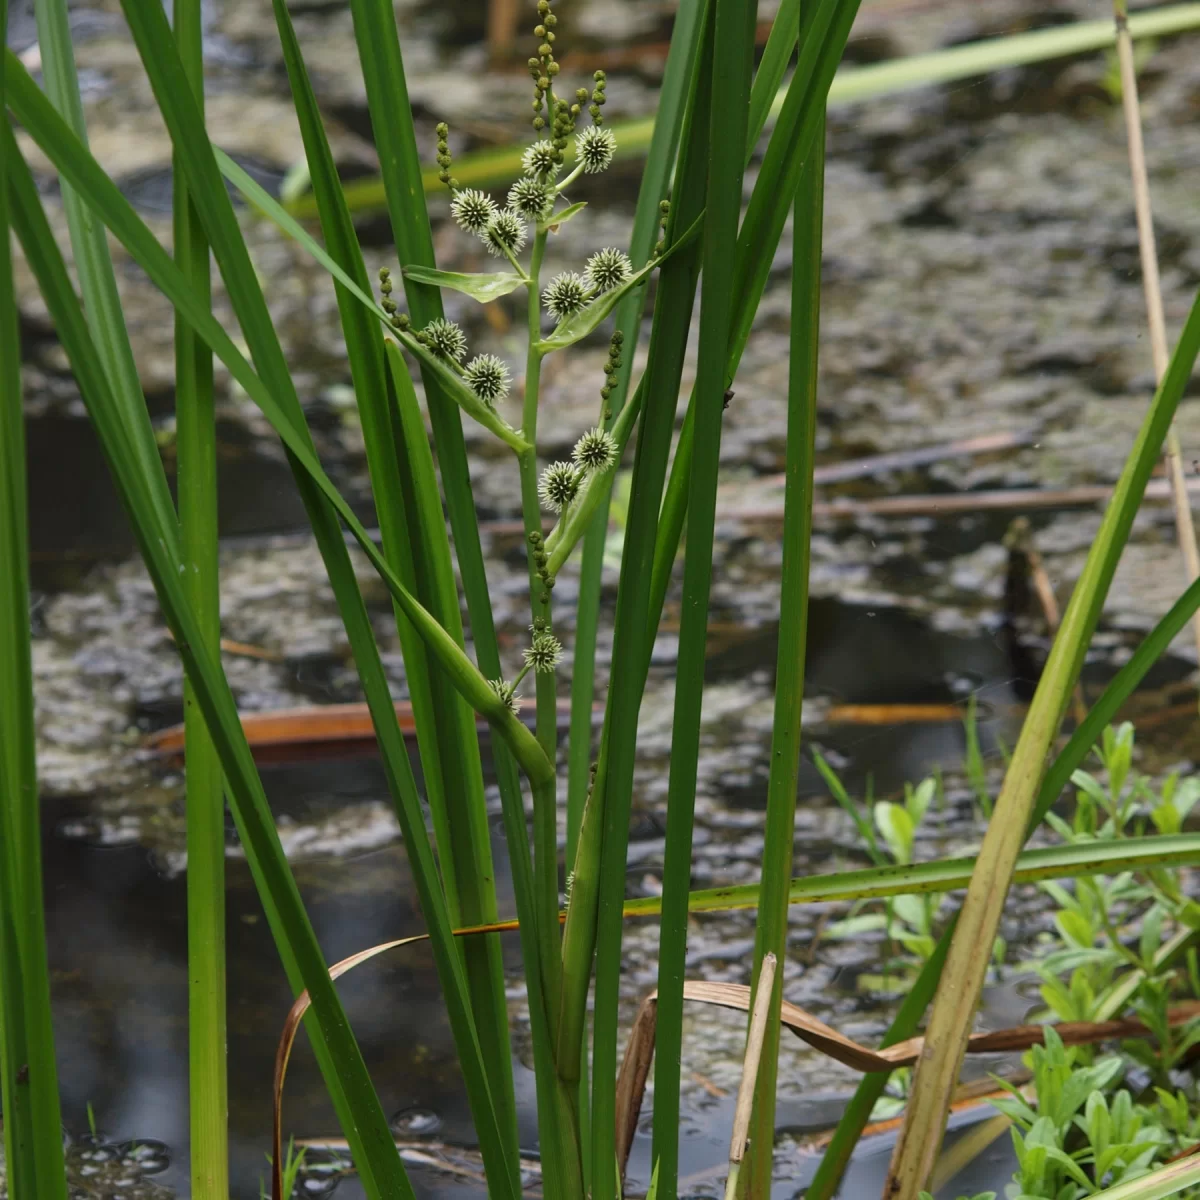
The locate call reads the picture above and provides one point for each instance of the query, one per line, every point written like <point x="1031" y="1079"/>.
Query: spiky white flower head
<point x="558" y="485"/>
<point x="607" y="269"/>
<point x="545" y="654"/>
<point x="473" y="210"/>
<point x="487" y="376"/>
<point x="540" y="161"/>
<point x="532" y="198"/>
<point x="445" y="339"/>
<point x="595" y="147"/>
<point x="595" y="450"/>
<point x="566" y="294"/>
<point x="506" y="691"/>
<point x="506" y="231"/>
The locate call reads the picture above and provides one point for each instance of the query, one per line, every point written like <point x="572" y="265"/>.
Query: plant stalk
<point x="196" y="443"/>
<point x="780" y="825"/>
<point x="545" y="816"/>
<point x="1185" y="527"/>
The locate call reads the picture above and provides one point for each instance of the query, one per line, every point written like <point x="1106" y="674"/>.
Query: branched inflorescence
<point x="583" y="296"/>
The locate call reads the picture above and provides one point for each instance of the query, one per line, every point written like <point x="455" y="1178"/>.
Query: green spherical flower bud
<point x="539" y="161"/>
<point x="595" y="451"/>
<point x="558" y="485"/>
<point x="506" y="232"/>
<point x="565" y="294"/>
<point x="442" y="129"/>
<point x="607" y="269"/>
<point x="595" y="148"/>
<point x="473" y="210"/>
<point x="531" y="198"/>
<point x="445" y="339"/>
<point x="487" y="376"/>
<point x="545" y="654"/>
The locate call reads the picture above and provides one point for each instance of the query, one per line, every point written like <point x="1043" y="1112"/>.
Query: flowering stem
<point x="545" y="820"/>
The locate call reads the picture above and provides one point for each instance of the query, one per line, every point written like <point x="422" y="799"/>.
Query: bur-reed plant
<point x="688" y="222"/>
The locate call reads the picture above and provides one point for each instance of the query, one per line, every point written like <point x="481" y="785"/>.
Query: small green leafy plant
<point x="911" y="924"/>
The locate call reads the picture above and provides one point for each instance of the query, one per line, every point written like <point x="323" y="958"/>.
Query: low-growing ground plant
<point x="1092" y="1117"/>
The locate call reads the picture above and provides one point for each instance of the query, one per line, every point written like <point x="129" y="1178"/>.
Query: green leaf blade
<point x="482" y="287"/>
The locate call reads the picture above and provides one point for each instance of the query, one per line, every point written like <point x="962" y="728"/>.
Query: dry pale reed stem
<point x="1172" y="456"/>
<point x="754" y="1045"/>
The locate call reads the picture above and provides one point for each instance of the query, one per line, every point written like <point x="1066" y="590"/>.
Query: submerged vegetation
<point x="1126" y="928"/>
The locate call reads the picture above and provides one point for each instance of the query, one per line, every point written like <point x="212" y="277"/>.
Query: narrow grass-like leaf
<point x="97" y="279"/>
<point x="781" y="41"/>
<point x="445" y="727"/>
<point x="1166" y="1181"/>
<point x="196" y="446"/>
<point x="395" y="140"/>
<point x="945" y="875"/>
<point x="780" y="830"/>
<point x="464" y="836"/>
<point x="980" y="914"/>
<point x="33" y="1144"/>
<point x="768" y="207"/>
<point x="790" y="147"/>
<point x="599" y="866"/>
<point x="484" y="288"/>
<point x="728" y="124"/>
<point x="672" y="99"/>
<point x="347" y="1081"/>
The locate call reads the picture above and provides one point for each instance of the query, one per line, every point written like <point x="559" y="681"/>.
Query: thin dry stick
<point x="1172" y="455"/>
<point x="745" y="1099"/>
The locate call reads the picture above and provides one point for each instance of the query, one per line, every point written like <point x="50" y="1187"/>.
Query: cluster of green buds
<point x="611" y="366"/>
<point x="398" y="319"/>
<point x="444" y="160"/>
